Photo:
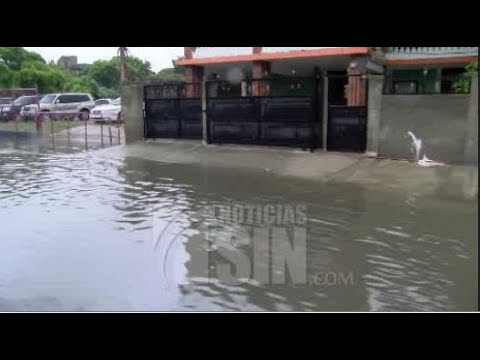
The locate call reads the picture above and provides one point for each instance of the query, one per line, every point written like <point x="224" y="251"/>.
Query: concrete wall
<point x="132" y="112"/>
<point x="471" y="141"/>
<point x="439" y="120"/>
<point x="375" y="91"/>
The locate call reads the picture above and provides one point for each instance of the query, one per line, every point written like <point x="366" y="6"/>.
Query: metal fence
<point x="286" y="111"/>
<point x="347" y="128"/>
<point x="276" y="111"/>
<point x="173" y="110"/>
<point x="65" y="130"/>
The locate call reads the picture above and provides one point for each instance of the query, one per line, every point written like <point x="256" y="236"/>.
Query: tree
<point x="462" y="85"/>
<point x="22" y="68"/>
<point x="122" y="57"/>
<point x="16" y="57"/>
<point x="170" y="74"/>
<point x="82" y="84"/>
<point x="138" y="69"/>
<point x="47" y="79"/>
<point x="107" y="72"/>
<point x="6" y="76"/>
<point x="104" y="92"/>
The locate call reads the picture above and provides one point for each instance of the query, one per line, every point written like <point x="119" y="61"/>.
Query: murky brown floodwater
<point x="82" y="231"/>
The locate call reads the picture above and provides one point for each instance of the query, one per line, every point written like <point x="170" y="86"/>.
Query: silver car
<point x="70" y="103"/>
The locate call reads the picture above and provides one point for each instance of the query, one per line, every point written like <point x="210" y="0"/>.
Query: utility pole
<point x="122" y="57"/>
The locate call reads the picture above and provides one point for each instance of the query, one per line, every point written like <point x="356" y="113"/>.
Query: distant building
<point x="71" y="63"/>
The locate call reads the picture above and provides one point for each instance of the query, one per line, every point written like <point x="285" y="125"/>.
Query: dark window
<point x="102" y="102"/>
<point x="48" y="99"/>
<point x="337" y="80"/>
<point x="23" y="100"/>
<point x="26" y="100"/>
<point x="5" y="101"/>
<point x="70" y="99"/>
<point x="74" y="98"/>
<point x="405" y="87"/>
<point x="62" y="99"/>
<point x="449" y="77"/>
<point x="83" y="98"/>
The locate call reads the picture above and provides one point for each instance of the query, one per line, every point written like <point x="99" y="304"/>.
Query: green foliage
<point x="104" y="92"/>
<point x="137" y="69"/>
<point x="16" y="57"/>
<point x="6" y="76"/>
<point x="47" y="79"/>
<point x="169" y="74"/>
<point x="22" y="68"/>
<point x="462" y="85"/>
<point x="107" y="72"/>
<point x="82" y="84"/>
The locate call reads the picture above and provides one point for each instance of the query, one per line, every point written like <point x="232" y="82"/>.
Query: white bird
<point x="416" y="145"/>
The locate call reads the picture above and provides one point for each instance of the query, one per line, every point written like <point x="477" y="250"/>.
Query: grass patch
<point x="30" y="126"/>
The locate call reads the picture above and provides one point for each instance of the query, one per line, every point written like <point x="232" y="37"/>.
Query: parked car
<point x="79" y="104"/>
<point x="103" y="102"/>
<point x="29" y="111"/>
<point x="5" y="103"/>
<point x="111" y="112"/>
<point x="11" y="111"/>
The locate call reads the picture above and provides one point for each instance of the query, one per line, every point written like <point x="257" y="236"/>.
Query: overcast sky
<point x="159" y="57"/>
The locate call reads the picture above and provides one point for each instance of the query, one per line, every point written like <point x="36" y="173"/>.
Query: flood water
<point x="83" y="231"/>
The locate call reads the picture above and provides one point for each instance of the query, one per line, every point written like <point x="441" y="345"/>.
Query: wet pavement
<point x="114" y="230"/>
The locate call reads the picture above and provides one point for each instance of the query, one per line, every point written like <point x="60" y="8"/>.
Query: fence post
<point x="101" y="133"/>
<point x="325" y="111"/>
<point x="314" y="117"/>
<point x="118" y="127"/>
<point x="68" y="133"/>
<point x="38" y="122"/>
<point x="86" y="134"/>
<point x="52" y="131"/>
<point x="204" y="112"/>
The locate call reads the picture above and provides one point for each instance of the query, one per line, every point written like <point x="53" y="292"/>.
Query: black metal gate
<point x="173" y="111"/>
<point x="347" y="128"/>
<point x="284" y="111"/>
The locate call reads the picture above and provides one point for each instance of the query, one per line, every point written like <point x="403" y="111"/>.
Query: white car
<point x="103" y="102"/>
<point x="110" y="112"/>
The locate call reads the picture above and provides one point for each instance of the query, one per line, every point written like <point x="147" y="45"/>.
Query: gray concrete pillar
<point x="375" y="94"/>
<point x="471" y="141"/>
<point x="132" y="112"/>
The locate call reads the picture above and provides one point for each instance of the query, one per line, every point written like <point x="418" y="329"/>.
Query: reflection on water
<point x="82" y="231"/>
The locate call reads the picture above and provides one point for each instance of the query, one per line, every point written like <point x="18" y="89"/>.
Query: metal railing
<point x="172" y="90"/>
<point x="288" y="86"/>
<point x="430" y="51"/>
<point x="67" y="129"/>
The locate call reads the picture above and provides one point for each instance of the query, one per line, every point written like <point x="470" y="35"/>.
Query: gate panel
<point x="287" y="121"/>
<point x="290" y="118"/>
<point x="162" y="118"/>
<point x="233" y="120"/>
<point x="169" y="114"/>
<point x="347" y="128"/>
<point x="190" y="117"/>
